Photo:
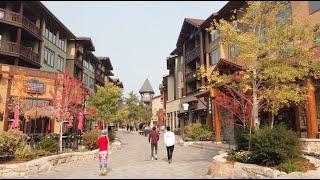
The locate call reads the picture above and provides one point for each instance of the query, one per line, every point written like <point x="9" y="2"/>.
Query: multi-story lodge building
<point x="35" y="47"/>
<point x="195" y="46"/>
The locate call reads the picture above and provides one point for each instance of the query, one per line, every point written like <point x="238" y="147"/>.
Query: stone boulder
<point x="221" y="168"/>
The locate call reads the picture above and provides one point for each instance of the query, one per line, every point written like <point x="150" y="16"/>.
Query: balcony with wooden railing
<point x="9" y="48"/>
<point x="29" y="55"/>
<point x="99" y="77"/>
<point x="192" y="55"/>
<point x="191" y="76"/>
<point x="14" y="18"/>
<point x="31" y="27"/>
<point x="10" y="17"/>
<point x="13" y="49"/>
<point x="78" y="63"/>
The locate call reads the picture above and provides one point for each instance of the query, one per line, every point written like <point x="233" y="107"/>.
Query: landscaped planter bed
<point x="223" y="168"/>
<point x="43" y="164"/>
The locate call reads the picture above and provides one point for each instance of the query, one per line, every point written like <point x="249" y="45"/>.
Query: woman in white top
<point x="169" y="140"/>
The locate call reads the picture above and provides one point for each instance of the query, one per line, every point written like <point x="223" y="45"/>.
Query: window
<point x="86" y="64"/>
<point x="85" y="79"/>
<point x="91" y="83"/>
<point x="285" y="14"/>
<point x="60" y="64"/>
<point x="50" y="35"/>
<point x="1" y="14"/>
<point x="61" y="44"/>
<point x="233" y="51"/>
<point x="49" y="57"/>
<point x="262" y="37"/>
<point x="314" y="6"/>
<point x="214" y="56"/>
<point x="214" y="35"/>
<point x="91" y="68"/>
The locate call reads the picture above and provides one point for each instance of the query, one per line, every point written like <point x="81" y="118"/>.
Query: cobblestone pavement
<point x="133" y="161"/>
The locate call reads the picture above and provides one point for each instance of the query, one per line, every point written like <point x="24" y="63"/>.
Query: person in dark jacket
<point x="153" y="139"/>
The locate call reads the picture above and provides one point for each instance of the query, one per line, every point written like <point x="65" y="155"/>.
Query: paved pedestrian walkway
<point x="133" y="161"/>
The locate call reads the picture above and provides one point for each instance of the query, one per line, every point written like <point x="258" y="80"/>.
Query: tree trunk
<point x="60" y="140"/>
<point x="255" y="107"/>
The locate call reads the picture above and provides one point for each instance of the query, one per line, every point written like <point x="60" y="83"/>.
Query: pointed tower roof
<point x="146" y="87"/>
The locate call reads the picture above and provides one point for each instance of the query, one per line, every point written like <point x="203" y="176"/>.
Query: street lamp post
<point x="185" y="108"/>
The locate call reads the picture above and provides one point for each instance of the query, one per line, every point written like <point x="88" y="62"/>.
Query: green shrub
<point x="242" y="138"/>
<point x="288" y="166"/>
<point x="25" y="153"/>
<point x="274" y="146"/>
<point x="10" y="141"/>
<point x="242" y="156"/>
<point x="197" y="132"/>
<point x="90" y="138"/>
<point x="48" y="144"/>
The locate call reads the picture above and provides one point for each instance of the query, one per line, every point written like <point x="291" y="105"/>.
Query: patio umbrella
<point x="16" y="117"/>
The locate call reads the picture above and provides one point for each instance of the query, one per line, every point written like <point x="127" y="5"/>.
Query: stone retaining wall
<point x="221" y="168"/>
<point x="310" y="145"/>
<point x="43" y="164"/>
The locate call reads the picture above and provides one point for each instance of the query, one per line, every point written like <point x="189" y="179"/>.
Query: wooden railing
<point x="10" y="17"/>
<point x="19" y="20"/>
<point x="79" y="63"/>
<point x="9" y="48"/>
<point x="30" y="55"/>
<point x="99" y="77"/>
<point x="193" y="54"/>
<point x="29" y="25"/>
<point x="191" y="76"/>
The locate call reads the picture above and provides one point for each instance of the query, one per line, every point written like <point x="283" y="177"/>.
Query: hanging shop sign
<point x="34" y="86"/>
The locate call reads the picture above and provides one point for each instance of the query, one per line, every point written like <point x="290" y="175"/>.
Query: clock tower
<point x="146" y="93"/>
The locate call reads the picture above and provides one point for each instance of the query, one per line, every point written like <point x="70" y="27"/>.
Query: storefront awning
<point x="40" y="112"/>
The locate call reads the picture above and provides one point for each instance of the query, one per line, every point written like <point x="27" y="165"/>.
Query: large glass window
<point x="49" y="57"/>
<point x="91" y="83"/>
<point x="85" y="79"/>
<point x="214" y="35"/>
<point x="214" y="56"/>
<point x="233" y="51"/>
<point x="285" y="14"/>
<point x="60" y="64"/>
<point x="314" y="6"/>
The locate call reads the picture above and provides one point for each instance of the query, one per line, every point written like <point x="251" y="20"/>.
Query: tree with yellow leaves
<point x="277" y="52"/>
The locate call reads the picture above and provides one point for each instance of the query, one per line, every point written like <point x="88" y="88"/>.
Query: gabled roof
<point x="106" y="62"/>
<point x="186" y="23"/>
<point x="146" y="87"/>
<point x="87" y="42"/>
<point x="45" y="12"/>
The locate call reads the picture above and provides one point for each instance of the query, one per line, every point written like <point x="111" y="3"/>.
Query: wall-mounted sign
<point x="34" y="86"/>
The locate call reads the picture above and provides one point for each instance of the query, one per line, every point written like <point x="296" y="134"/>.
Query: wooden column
<point x="217" y="126"/>
<point x="209" y="115"/>
<point x="202" y="55"/>
<point x="311" y="111"/>
<point x="18" y="35"/>
<point x="6" y="110"/>
<point x="297" y="120"/>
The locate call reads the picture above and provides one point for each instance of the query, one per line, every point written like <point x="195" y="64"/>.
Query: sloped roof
<point x="146" y="87"/>
<point x="187" y="23"/>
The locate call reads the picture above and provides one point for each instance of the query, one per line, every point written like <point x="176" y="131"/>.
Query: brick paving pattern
<point x="133" y="161"/>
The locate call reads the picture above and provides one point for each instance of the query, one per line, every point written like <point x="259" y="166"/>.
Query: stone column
<point x="311" y="111"/>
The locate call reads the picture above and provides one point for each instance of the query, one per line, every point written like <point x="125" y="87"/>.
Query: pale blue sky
<point x="137" y="36"/>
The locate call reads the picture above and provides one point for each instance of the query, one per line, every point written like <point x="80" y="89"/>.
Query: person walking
<point x="153" y="139"/>
<point x="103" y="143"/>
<point x="169" y="140"/>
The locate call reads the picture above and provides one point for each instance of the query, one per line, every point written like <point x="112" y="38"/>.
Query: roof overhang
<point x="106" y="62"/>
<point x="53" y="19"/>
<point x="86" y="42"/>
